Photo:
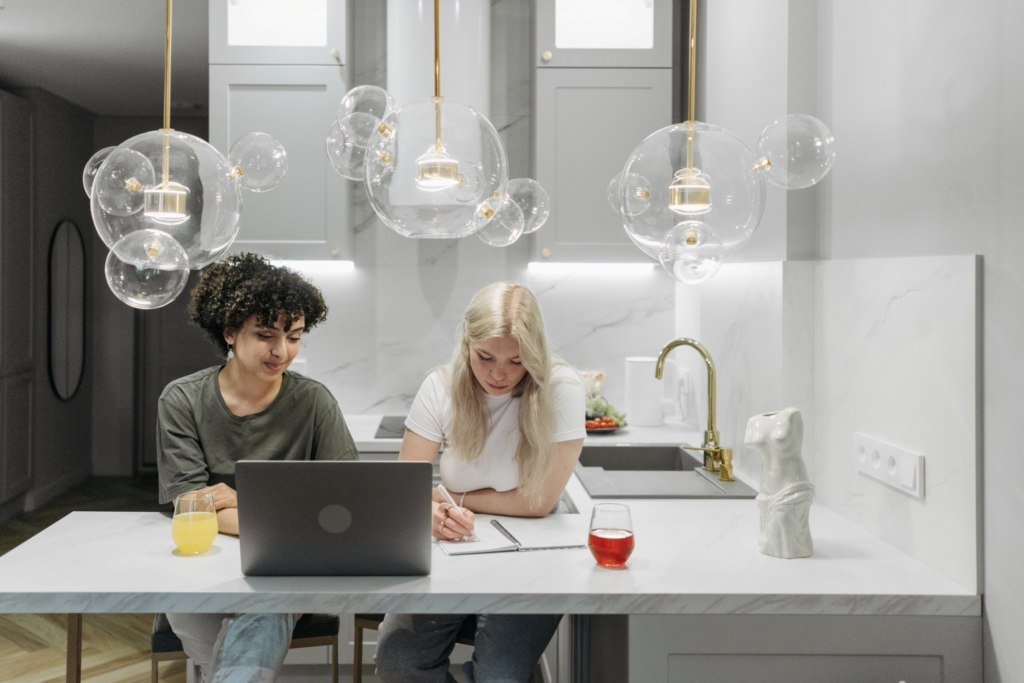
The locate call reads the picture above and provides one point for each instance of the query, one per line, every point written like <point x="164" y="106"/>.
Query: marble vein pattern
<point x="895" y="358"/>
<point x="692" y="557"/>
<point x="880" y="346"/>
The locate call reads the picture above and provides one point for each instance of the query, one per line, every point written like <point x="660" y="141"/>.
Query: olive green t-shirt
<point x="199" y="439"/>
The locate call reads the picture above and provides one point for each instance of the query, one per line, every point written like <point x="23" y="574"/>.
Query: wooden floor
<point x="115" y="647"/>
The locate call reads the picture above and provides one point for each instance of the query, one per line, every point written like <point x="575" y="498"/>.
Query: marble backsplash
<point x="390" y="322"/>
<point x="886" y="347"/>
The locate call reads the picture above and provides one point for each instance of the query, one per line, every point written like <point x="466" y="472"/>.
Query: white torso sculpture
<point x="786" y="491"/>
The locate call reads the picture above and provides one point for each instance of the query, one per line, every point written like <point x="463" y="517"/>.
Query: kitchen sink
<point x="651" y="471"/>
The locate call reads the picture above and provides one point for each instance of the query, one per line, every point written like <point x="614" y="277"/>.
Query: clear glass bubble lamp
<point x="433" y="168"/>
<point x="166" y="202"/>
<point x="692" y="193"/>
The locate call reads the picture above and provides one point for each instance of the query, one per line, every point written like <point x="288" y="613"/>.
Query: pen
<point x="451" y="501"/>
<point x="448" y="497"/>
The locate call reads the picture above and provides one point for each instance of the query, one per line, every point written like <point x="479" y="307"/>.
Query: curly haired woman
<point x="252" y="408"/>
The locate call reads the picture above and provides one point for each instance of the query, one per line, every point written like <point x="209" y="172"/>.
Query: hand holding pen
<point x="451" y="522"/>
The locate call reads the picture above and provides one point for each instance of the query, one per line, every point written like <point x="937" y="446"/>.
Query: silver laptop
<point x="334" y="518"/>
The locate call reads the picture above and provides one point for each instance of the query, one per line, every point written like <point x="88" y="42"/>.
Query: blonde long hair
<point x="506" y="309"/>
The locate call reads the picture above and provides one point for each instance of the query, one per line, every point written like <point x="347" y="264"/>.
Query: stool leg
<point x="73" y="672"/>
<point x="334" y="661"/>
<point x="357" y="656"/>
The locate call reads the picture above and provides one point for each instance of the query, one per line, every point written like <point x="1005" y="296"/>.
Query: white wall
<point x="926" y="101"/>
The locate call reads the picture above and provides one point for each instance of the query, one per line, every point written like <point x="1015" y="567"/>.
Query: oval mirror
<point x="67" y="309"/>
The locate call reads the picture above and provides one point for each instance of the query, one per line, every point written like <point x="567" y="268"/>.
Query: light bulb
<point x="167" y="205"/>
<point x="690" y="192"/>
<point x="436" y="171"/>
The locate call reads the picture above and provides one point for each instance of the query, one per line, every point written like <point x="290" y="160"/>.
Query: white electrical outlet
<point x="897" y="467"/>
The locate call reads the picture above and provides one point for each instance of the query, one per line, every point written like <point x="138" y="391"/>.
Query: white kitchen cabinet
<point x="588" y="123"/>
<point x="604" y="33"/>
<point x="800" y="648"/>
<point x="307" y="216"/>
<point x="273" y="32"/>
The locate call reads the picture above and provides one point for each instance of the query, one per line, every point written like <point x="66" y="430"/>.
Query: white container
<point x="645" y="394"/>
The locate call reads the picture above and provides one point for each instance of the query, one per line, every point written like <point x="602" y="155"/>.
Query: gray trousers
<point x="414" y="648"/>
<point x="235" y="648"/>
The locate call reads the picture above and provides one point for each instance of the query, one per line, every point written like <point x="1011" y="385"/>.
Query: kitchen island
<point x="694" y="560"/>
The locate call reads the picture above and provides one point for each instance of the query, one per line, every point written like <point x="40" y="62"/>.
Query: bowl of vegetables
<point x="602" y="417"/>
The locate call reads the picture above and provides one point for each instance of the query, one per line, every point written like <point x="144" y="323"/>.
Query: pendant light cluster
<point x="433" y="168"/>
<point x="693" y="193"/>
<point x="166" y="202"/>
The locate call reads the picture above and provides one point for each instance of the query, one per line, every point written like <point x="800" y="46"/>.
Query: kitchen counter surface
<point x="692" y="557"/>
<point x="364" y="427"/>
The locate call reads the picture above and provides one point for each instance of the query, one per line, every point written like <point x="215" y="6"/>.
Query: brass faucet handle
<point x="712" y="456"/>
<point x="725" y="472"/>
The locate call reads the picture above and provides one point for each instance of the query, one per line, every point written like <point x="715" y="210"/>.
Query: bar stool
<point x="372" y="622"/>
<point x="311" y="630"/>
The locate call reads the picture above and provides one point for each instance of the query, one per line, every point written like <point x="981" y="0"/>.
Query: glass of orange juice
<point x="195" y="523"/>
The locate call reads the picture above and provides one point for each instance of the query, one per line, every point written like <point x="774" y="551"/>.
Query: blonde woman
<point x="511" y="419"/>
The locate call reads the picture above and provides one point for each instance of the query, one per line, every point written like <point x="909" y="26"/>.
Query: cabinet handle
<point x="546" y="55"/>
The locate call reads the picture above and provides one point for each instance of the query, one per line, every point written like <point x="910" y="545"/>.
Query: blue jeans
<point x="414" y="648"/>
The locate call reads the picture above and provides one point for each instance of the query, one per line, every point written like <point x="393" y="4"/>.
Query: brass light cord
<point x="167" y="97"/>
<point x="437" y="76"/>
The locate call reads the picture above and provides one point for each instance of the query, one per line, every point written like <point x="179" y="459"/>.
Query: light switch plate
<point x="897" y="467"/>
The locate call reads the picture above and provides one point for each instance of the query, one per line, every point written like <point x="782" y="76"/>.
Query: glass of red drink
<point x="611" y="534"/>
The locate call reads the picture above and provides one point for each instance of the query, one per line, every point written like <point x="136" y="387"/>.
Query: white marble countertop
<point x="692" y="557"/>
<point x="364" y="427"/>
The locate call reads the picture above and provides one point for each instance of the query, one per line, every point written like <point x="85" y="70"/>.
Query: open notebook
<point x="496" y="534"/>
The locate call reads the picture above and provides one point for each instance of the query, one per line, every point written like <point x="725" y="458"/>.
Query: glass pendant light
<point x="435" y="167"/>
<point x="166" y="202"/>
<point x="692" y="193"/>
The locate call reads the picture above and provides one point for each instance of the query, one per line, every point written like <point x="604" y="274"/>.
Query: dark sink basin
<point x="651" y="471"/>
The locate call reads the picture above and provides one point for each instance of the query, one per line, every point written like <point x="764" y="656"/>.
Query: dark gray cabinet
<point x="307" y="215"/>
<point x="16" y="360"/>
<point x="588" y="123"/>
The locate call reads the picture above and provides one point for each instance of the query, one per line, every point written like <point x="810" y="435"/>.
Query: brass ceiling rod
<point x="691" y="104"/>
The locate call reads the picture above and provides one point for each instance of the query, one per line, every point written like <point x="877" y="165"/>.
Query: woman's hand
<point x="223" y="496"/>
<point x="456" y="525"/>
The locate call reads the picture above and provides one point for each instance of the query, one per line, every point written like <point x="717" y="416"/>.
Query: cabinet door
<point x="588" y="123"/>
<point x="15" y="236"/>
<point x="604" y="33"/>
<point x="15" y="436"/>
<point x="307" y="216"/>
<point x="275" y="32"/>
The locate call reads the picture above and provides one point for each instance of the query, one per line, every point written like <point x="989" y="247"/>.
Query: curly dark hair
<point x="243" y="285"/>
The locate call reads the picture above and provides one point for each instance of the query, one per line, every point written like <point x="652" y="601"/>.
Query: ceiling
<point x="107" y="56"/>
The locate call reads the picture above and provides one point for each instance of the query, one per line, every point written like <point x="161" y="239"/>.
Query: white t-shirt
<point x="495" y="467"/>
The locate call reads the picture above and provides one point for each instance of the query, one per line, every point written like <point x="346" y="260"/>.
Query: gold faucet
<point x="716" y="458"/>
